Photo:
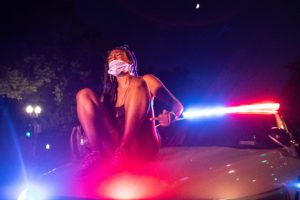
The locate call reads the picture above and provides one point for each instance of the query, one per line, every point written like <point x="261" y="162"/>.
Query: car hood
<point x="185" y="172"/>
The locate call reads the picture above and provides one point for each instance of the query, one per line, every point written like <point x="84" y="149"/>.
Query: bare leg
<point x="96" y="122"/>
<point x="139" y="135"/>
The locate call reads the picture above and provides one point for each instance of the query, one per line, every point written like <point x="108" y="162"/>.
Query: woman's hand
<point x="165" y="118"/>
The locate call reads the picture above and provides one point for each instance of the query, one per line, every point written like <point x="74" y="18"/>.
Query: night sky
<point x="205" y="51"/>
<point x="225" y="49"/>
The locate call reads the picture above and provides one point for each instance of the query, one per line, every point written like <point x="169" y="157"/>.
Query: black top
<point x="120" y="118"/>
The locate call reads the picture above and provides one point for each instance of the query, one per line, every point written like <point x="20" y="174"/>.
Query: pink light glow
<point x="254" y="108"/>
<point x="129" y="186"/>
<point x="263" y="108"/>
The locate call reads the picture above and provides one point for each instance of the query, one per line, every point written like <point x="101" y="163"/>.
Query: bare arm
<point x="158" y="89"/>
<point x="137" y="106"/>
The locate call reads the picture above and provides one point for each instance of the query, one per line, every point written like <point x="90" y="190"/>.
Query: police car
<point x="241" y="152"/>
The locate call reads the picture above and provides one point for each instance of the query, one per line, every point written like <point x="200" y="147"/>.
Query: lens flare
<point x="32" y="192"/>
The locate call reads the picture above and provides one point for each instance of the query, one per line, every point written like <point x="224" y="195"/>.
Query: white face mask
<point x="116" y="67"/>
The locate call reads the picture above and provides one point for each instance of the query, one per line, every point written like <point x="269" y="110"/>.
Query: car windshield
<point x="232" y="130"/>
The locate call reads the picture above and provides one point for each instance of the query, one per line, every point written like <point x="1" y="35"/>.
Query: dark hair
<point x="109" y="92"/>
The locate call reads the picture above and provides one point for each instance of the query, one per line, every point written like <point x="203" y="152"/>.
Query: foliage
<point x="292" y="92"/>
<point x="51" y="80"/>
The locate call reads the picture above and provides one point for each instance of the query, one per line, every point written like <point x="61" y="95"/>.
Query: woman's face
<point x="118" y="54"/>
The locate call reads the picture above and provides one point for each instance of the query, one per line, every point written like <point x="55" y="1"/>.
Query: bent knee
<point x="85" y="94"/>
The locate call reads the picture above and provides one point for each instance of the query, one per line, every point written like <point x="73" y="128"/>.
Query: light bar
<point x="265" y="108"/>
<point x="270" y="108"/>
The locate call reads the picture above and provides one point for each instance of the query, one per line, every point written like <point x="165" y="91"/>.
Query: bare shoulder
<point x="151" y="80"/>
<point x="149" y="77"/>
<point x="138" y="82"/>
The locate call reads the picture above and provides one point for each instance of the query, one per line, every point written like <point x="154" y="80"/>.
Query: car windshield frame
<point x="231" y="130"/>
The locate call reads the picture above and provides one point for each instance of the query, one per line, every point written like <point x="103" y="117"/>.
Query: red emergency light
<point x="263" y="108"/>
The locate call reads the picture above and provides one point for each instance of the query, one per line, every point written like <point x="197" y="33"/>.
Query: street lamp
<point x="37" y="110"/>
<point x="34" y="112"/>
<point x="29" y="109"/>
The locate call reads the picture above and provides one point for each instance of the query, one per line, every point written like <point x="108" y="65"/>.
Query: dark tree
<point x="291" y="93"/>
